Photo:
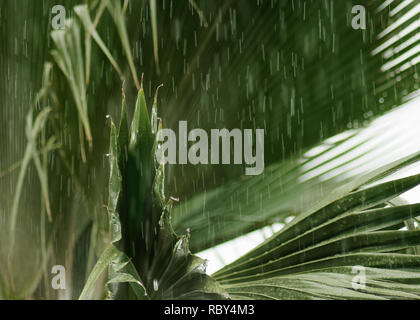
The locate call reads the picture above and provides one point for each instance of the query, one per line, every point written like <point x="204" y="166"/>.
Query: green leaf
<point x="341" y="234"/>
<point x="140" y="127"/>
<point x="337" y="228"/>
<point x="114" y="7"/>
<point x="109" y="255"/>
<point x="123" y="135"/>
<point x="114" y="187"/>
<point x="332" y="283"/>
<point x="68" y="56"/>
<point x="137" y="176"/>
<point x="175" y="273"/>
<point x="82" y="12"/>
<point x="153" y="16"/>
<point x="385" y="241"/>
<point x="162" y="265"/>
<point x="357" y="200"/>
<point x="32" y="130"/>
<point x="122" y="270"/>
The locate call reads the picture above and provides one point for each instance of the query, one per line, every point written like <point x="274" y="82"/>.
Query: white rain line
<point x="415" y="10"/>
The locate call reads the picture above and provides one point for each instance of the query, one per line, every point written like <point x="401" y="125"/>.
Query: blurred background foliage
<point x="294" y="68"/>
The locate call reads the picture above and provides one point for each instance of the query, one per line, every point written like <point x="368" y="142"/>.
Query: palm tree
<point x="295" y="68"/>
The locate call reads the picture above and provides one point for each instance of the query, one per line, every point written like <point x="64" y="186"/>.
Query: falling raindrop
<point x="155" y="285"/>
